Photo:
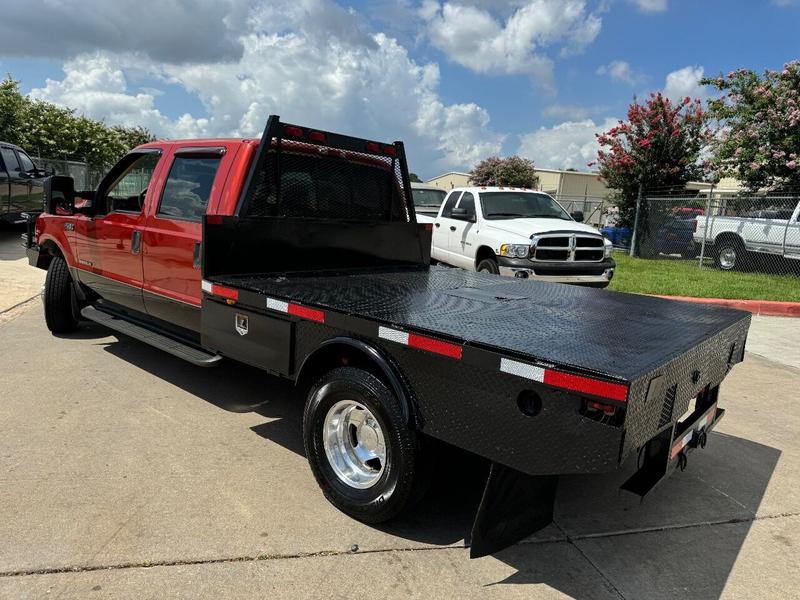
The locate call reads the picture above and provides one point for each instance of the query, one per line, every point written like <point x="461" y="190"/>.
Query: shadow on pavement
<point x="677" y="541"/>
<point x="11" y="247"/>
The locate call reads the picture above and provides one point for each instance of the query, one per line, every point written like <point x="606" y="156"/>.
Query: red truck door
<point x="109" y="244"/>
<point x="172" y="235"/>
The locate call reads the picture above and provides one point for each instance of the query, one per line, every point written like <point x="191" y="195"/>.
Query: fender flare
<point x="376" y="357"/>
<point x="47" y="241"/>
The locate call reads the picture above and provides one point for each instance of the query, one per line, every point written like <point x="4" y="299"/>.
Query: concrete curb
<point x="765" y="308"/>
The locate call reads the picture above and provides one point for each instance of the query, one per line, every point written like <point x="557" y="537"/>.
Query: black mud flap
<point x="514" y="505"/>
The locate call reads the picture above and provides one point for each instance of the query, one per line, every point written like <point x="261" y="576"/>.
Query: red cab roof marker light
<point x="293" y="131"/>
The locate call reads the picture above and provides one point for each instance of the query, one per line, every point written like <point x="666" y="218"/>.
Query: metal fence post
<point x="636" y="220"/>
<point x="705" y="232"/>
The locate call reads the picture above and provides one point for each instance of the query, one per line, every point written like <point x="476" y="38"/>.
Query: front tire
<point x="60" y="301"/>
<point x="364" y="456"/>
<point x="488" y="265"/>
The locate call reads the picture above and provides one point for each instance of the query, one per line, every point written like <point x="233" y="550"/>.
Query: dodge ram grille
<point x="572" y="247"/>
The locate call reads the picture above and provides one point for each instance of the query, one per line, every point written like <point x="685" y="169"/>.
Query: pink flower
<point x="792" y="164"/>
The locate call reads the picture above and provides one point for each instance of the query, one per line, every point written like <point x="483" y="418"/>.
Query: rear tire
<point x="488" y="265"/>
<point x="365" y="457"/>
<point x="60" y="301"/>
<point x="730" y="255"/>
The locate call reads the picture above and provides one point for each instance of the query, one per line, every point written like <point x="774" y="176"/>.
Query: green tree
<point x="759" y="138"/>
<point x="52" y="131"/>
<point x="414" y="178"/>
<point x="512" y="171"/>
<point x="657" y="147"/>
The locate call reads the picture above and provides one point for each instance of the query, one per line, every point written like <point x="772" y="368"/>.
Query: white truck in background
<point x="521" y="233"/>
<point x="734" y="241"/>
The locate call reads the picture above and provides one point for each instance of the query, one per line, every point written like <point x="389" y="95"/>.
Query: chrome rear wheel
<point x="354" y="444"/>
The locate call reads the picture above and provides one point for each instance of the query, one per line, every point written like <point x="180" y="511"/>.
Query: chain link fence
<point x="85" y="176"/>
<point x="754" y="233"/>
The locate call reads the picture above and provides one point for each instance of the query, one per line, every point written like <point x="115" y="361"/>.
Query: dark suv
<point x="20" y="183"/>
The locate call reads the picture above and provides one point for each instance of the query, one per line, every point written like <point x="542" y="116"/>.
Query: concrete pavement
<point x="126" y="473"/>
<point x="18" y="282"/>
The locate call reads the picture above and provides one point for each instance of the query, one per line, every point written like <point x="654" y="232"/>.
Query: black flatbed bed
<point x="623" y="336"/>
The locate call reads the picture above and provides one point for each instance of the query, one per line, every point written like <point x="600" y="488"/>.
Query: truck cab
<point x="20" y="183"/>
<point x="520" y="233"/>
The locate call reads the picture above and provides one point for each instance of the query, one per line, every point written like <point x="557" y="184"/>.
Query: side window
<point x="450" y="204"/>
<point x="467" y="203"/>
<point x="129" y="191"/>
<point x="10" y="159"/>
<point x="26" y="162"/>
<point x="188" y="187"/>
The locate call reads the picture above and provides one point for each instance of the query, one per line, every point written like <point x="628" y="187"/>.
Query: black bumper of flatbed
<point x="507" y="333"/>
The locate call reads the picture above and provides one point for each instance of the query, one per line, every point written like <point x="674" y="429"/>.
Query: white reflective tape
<point x="401" y="337"/>
<point x="206" y="286"/>
<point x="522" y="370"/>
<point x="278" y="305"/>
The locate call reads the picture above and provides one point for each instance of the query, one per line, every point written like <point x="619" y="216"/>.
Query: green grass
<point x="684" y="278"/>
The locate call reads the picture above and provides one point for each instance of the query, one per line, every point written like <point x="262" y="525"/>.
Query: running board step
<point x="158" y="340"/>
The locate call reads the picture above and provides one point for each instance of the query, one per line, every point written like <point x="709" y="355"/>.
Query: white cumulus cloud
<point x="571" y="144"/>
<point x="621" y="71"/>
<point x="311" y="62"/>
<point x="484" y="41"/>
<point x="685" y="82"/>
<point x="651" y="5"/>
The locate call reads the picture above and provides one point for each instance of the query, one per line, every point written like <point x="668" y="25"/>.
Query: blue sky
<point x="457" y="80"/>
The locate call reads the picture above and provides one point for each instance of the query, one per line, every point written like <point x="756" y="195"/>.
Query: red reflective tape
<point x="214" y="219"/>
<point x="306" y="313"/>
<point x="585" y="385"/>
<point x="225" y="292"/>
<point x="435" y="346"/>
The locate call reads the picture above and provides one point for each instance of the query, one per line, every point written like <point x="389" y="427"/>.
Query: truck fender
<point x="329" y="354"/>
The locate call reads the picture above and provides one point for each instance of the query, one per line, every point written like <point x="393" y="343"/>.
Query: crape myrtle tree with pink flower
<point x="759" y="137"/>
<point x="658" y="147"/>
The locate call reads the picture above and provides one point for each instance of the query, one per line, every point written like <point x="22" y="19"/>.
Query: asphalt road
<point x="126" y="473"/>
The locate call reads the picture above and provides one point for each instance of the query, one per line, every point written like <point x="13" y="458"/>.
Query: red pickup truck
<point x="301" y="255"/>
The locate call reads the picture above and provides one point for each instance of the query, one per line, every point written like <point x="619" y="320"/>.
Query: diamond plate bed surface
<point x="622" y="335"/>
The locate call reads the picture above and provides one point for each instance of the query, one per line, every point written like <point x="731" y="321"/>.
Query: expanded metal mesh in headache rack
<point x="312" y="174"/>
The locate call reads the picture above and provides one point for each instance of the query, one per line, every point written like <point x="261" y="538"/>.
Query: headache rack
<point x="310" y="173"/>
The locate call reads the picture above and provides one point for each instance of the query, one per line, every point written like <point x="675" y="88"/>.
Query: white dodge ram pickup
<point x="733" y="240"/>
<point x="521" y="233"/>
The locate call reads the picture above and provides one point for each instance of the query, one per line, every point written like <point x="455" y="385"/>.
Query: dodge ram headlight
<point x="607" y="247"/>
<point x="515" y="250"/>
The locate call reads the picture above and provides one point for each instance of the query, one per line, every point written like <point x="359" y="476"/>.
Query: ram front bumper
<point x="559" y="271"/>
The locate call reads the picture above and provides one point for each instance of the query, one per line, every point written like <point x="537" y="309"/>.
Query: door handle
<point x="136" y="242"/>
<point x="452" y="227"/>
<point x="436" y="224"/>
<point x="196" y="255"/>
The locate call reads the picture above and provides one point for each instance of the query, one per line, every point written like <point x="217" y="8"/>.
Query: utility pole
<point x="636" y="219"/>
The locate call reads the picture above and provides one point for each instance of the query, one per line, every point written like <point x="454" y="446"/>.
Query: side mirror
<point x="59" y="195"/>
<point x="462" y="214"/>
<point x="577" y="215"/>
